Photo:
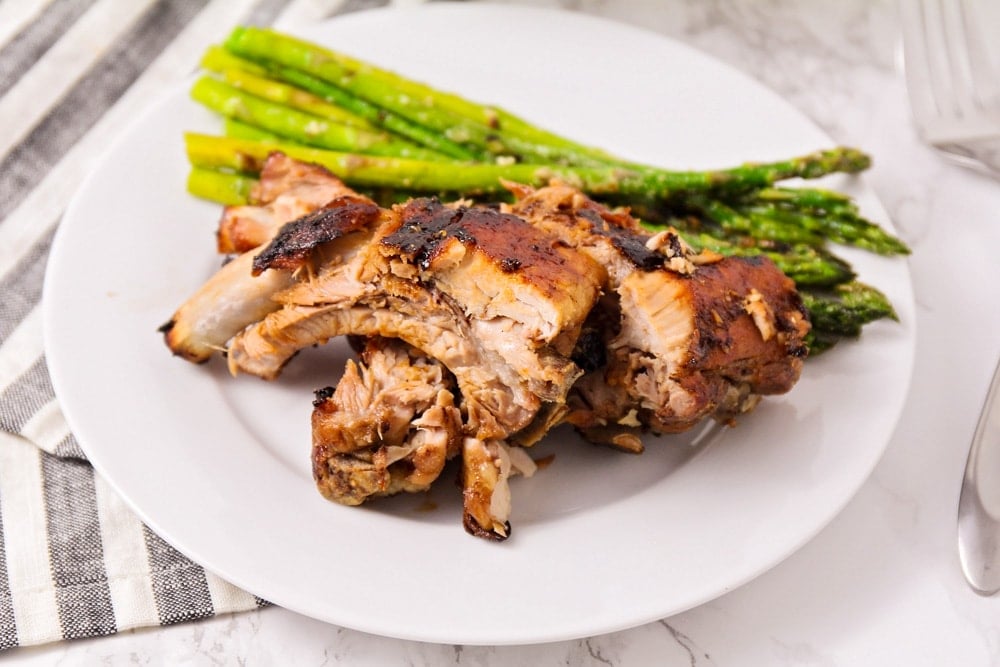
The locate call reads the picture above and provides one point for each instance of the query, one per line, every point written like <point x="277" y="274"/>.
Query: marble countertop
<point x="881" y="584"/>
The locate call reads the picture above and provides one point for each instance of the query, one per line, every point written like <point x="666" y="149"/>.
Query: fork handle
<point x="979" y="503"/>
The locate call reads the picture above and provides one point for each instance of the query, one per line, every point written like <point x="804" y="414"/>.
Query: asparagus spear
<point x="815" y="200"/>
<point x="849" y="229"/>
<point x="217" y="59"/>
<point x="455" y="118"/>
<point x="846" y="308"/>
<point x="224" y="188"/>
<point x="806" y="265"/>
<point x="301" y="127"/>
<point x="732" y="221"/>
<point x="378" y="116"/>
<point x="474" y="179"/>
<point x="282" y="93"/>
<point x="379" y="171"/>
<point x="236" y="129"/>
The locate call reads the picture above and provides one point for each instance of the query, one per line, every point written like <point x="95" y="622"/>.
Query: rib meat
<point x="389" y="426"/>
<point x="486" y="471"/>
<point x="485" y="327"/>
<point x="287" y="190"/>
<point x="500" y="303"/>
<point x="683" y="335"/>
<point x="234" y="298"/>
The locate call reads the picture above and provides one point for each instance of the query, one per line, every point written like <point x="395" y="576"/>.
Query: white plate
<point x="602" y="541"/>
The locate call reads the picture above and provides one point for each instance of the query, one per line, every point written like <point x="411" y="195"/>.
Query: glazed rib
<point x="485" y="327"/>
<point x="495" y="300"/>
<point x="233" y="298"/>
<point x="684" y="335"/>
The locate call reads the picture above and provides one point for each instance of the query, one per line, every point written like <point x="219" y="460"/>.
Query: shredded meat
<point x="389" y="426"/>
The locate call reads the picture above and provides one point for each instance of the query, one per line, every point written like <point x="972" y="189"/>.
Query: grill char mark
<point x="293" y="245"/>
<point x="517" y="248"/>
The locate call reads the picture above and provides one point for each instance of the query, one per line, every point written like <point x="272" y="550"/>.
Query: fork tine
<point x="952" y="63"/>
<point x="956" y="55"/>
<point x="984" y="75"/>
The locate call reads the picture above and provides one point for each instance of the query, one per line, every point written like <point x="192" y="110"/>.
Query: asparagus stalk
<point x="290" y="96"/>
<point x="379" y="171"/>
<point x="236" y="129"/>
<point x="848" y="229"/>
<point x="475" y="179"/>
<point x="225" y="188"/>
<point x="455" y="118"/>
<point x="806" y="265"/>
<point x="754" y="225"/>
<point x="301" y="127"/>
<point x="815" y="200"/>
<point x="217" y="59"/>
<point x="846" y="308"/>
<point x="378" y="116"/>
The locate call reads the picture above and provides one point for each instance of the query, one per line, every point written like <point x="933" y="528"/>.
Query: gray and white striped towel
<point x="74" y="560"/>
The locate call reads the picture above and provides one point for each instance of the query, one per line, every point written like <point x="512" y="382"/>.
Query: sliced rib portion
<point x="234" y="298"/>
<point x="500" y="303"/>
<point x="487" y="467"/>
<point x="287" y="190"/>
<point x="684" y="335"/>
<point x="389" y="426"/>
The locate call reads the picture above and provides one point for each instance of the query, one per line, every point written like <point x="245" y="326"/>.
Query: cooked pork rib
<point x="486" y="470"/>
<point x="389" y="426"/>
<point x="233" y="298"/>
<point x="500" y="312"/>
<point x="685" y="335"/>
<point x="498" y="302"/>
<point x="287" y="190"/>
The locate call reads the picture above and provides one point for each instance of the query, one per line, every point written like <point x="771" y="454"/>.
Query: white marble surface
<point x="880" y="585"/>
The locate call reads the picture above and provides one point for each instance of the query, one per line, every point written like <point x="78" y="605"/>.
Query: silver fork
<point x="951" y="51"/>
<point x="951" y="54"/>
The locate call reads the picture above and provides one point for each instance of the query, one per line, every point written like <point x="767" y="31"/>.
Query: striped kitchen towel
<point x="74" y="561"/>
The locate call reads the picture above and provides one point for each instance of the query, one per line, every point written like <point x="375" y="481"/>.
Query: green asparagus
<point x="221" y="187"/>
<point x="293" y="97"/>
<point x="846" y="308"/>
<point x="280" y="93"/>
<point x="238" y="130"/>
<point x="423" y="175"/>
<point x="299" y="126"/>
<point x="848" y="229"/>
<point x="378" y="116"/>
<point x="408" y="99"/>
<point x="806" y="265"/>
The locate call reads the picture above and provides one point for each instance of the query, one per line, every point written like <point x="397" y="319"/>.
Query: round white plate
<point x="602" y="541"/>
